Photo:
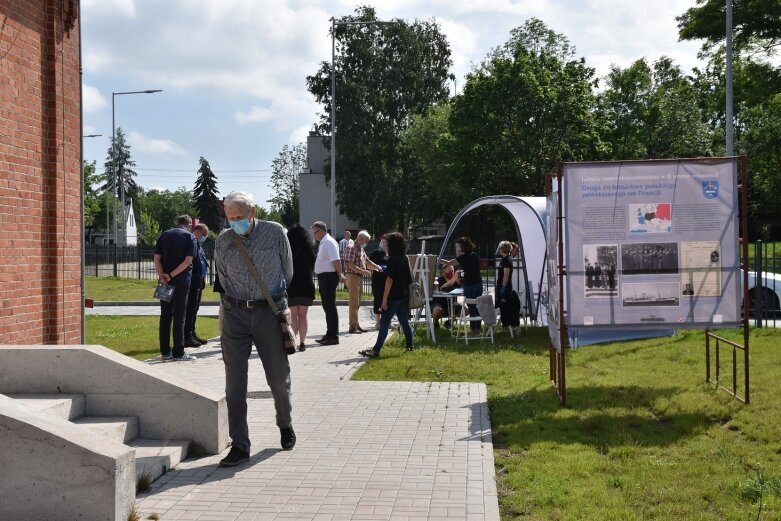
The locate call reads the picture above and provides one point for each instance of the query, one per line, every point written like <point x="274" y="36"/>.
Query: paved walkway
<point x="399" y="451"/>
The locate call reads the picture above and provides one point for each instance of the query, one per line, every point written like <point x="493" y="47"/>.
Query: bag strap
<point x="254" y="270"/>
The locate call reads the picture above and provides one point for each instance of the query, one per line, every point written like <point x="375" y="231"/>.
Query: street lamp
<point x="114" y="159"/>
<point x="334" y="23"/>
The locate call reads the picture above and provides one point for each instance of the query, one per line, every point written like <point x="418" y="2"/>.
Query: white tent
<point x="529" y="217"/>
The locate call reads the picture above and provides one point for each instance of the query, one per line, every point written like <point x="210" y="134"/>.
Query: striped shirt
<point x="270" y="251"/>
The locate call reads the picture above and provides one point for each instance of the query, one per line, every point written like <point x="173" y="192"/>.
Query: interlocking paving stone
<point x="365" y="450"/>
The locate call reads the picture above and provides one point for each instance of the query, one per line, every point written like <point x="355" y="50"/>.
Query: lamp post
<point x="728" y="79"/>
<point x="334" y="24"/>
<point x="114" y="160"/>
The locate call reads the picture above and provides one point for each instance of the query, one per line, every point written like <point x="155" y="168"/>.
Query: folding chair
<point x="464" y="324"/>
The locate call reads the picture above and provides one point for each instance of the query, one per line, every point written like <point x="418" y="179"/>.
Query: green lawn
<point x="118" y="289"/>
<point x="136" y="337"/>
<point x="642" y="437"/>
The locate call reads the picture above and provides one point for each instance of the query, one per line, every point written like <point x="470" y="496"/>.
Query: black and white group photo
<point x="649" y="258"/>
<point x="600" y="269"/>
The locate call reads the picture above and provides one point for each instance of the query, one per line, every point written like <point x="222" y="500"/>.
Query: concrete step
<point x="121" y="429"/>
<point x="64" y="406"/>
<point x="156" y="457"/>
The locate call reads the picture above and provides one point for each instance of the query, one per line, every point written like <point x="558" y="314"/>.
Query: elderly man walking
<point x="247" y="318"/>
<point x="356" y="264"/>
<point x="328" y="267"/>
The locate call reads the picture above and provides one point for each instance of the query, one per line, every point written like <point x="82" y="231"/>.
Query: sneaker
<point x="167" y="358"/>
<point x="236" y="456"/>
<point x="288" y="438"/>
<point x="184" y="358"/>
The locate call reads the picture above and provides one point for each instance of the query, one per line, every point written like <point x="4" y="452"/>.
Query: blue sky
<point x="233" y="71"/>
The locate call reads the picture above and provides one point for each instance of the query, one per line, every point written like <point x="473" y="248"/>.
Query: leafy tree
<point x="653" y="113"/>
<point x="284" y="182"/>
<point x="384" y="74"/>
<point x="92" y="201"/>
<point x="756" y="23"/>
<point x="164" y="206"/>
<point x="124" y="165"/>
<point x="149" y="230"/>
<point x="268" y="215"/>
<point x="529" y="105"/>
<point x="205" y="194"/>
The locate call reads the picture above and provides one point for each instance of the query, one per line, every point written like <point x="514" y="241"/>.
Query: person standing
<point x="174" y="252"/>
<point x="395" y="295"/>
<point x="247" y="318"/>
<point x="506" y="300"/>
<point x="357" y="265"/>
<point x="345" y="243"/>
<point x="472" y="281"/>
<point x="302" y="288"/>
<point x="328" y="266"/>
<point x="197" y="285"/>
<point x="380" y="258"/>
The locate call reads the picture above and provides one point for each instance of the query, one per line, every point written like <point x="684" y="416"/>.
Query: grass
<point x="118" y="289"/>
<point x="136" y="337"/>
<point x="642" y="437"/>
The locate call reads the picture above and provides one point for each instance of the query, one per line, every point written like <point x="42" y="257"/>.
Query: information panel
<point x="552" y="243"/>
<point x="652" y="243"/>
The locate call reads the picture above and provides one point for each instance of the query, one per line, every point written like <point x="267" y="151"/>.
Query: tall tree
<point x="384" y="74"/>
<point x="757" y="24"/>
<point x="284" y="182"/>
<point x="529" y="105"/>
<point x="164" y="206"/>
<point x="205" y="194"/>
<point x="124" y="166"/>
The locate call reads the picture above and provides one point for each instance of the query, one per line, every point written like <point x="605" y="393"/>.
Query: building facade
<point x="40" y="172"/>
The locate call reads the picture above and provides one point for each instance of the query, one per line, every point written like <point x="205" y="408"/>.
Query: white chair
<point x="464" y="322"/>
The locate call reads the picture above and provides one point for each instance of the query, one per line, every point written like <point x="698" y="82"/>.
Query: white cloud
<point x="127" y="8"/>
<point x="299" y="135"/>
<point x="254" y="115"/>
<point x="154" y="146"/>
<point x="92" y="99"/>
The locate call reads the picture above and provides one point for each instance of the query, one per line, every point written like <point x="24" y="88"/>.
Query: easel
<point x="420" y="273"/>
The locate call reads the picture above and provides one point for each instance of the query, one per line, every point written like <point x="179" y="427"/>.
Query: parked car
<point x="769" y="291"/>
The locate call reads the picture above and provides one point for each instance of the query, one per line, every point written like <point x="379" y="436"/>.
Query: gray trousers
<point x="240" y="328"/>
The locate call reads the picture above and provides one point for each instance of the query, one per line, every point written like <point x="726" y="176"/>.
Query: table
<point x="451" y="299"/>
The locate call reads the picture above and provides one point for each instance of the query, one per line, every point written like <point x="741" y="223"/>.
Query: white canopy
<point x="529" y="217"/>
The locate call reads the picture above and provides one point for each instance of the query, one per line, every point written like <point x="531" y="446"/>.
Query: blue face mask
<point x="201" y="239"/>
<point x="363" y="245"/>
<point x="241" y="226"/>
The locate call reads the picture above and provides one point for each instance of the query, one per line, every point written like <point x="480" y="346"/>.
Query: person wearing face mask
<point x="197" y="285"/>
<point x="357" y="265"/>
<point x="174" y="252"/>
<point x="247" y="318"/>
<point x="380" y="258"/>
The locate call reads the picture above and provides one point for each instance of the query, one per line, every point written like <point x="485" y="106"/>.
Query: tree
<point x="757" y="24"/>
<point x="653" y="113"/>
<point x="164" y="206"/>
<point x="205" y="195"/>
<point x="529" y="105"/>
<point x="267" y="215"/>
<point x="92" y="201"/>
<point x="384" y="74"/>
<point x="284" y="182"/>
<point x="149" y="230"/>
<point x="124" y="164"/>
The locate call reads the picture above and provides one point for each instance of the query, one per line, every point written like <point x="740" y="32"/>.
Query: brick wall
<point x="40" y="178"/>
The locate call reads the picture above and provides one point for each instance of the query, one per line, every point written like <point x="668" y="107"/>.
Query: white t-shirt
<point x="326" y="254"/>
<point x="344" y="244"/>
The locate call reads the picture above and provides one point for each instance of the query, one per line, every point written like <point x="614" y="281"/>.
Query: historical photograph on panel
<point x="650" y="218"/>
<point x="600" y="262"/>
<point x="650" y="294"/>
<point x="701" y="269"/>
<point x="649" y="258"/>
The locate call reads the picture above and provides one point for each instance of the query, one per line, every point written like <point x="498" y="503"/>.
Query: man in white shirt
<point x="346" y="242"/>
<point x="328" y="267"/>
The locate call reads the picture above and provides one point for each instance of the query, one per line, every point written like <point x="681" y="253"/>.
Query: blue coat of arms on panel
<point x="710" y="189"/>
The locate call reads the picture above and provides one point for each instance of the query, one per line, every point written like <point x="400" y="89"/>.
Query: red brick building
<point x="40" y="173"/>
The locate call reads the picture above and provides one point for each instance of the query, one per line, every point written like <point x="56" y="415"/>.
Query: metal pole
<point x="114" y="172"/>
<point x="333" y="127"/>
<point x="728" y="72"/>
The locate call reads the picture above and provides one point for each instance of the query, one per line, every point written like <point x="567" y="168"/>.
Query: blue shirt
<point x="173" y="246"/>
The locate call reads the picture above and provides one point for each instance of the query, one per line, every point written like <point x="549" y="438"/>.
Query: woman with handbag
<point x="396" y="292"/>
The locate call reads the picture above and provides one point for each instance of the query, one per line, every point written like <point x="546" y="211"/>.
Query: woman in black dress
<point x="301" y="292"/>
<point x="395" y="294"/>
<point x="506" y="300"/>
<point x="380" y="258"/>
<point x="472" y="281"/>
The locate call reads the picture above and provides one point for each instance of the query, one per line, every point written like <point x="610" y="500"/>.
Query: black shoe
<point x="355" y="331"/>
<point x="201" y="340"/>
<point x="288" y="438"/>
<point x="191" y="342"/>
<point x="330" y="341"/>
<point x="235" y="457"/>
<point x="301" y="348"/>
<point x="360" y="329"/>
<point x="321" y="340"/>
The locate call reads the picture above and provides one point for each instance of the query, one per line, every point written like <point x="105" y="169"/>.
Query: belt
<point x="250" y="303"/>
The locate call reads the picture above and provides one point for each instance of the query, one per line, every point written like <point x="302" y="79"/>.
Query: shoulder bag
<point x="283" y="316"/>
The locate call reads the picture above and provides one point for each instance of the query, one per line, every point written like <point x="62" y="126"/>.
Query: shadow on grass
<point x="602" y="417"/>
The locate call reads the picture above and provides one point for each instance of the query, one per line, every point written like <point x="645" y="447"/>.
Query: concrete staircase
<point x="153" y="457"/>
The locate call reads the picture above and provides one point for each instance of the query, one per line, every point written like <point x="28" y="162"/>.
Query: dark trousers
<point x="401" y="311"/>
<point x="193" y="303"/>
<point x="473" y="291"/>
<point x="173" y="311"/>
<point x="327" y="283"/>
